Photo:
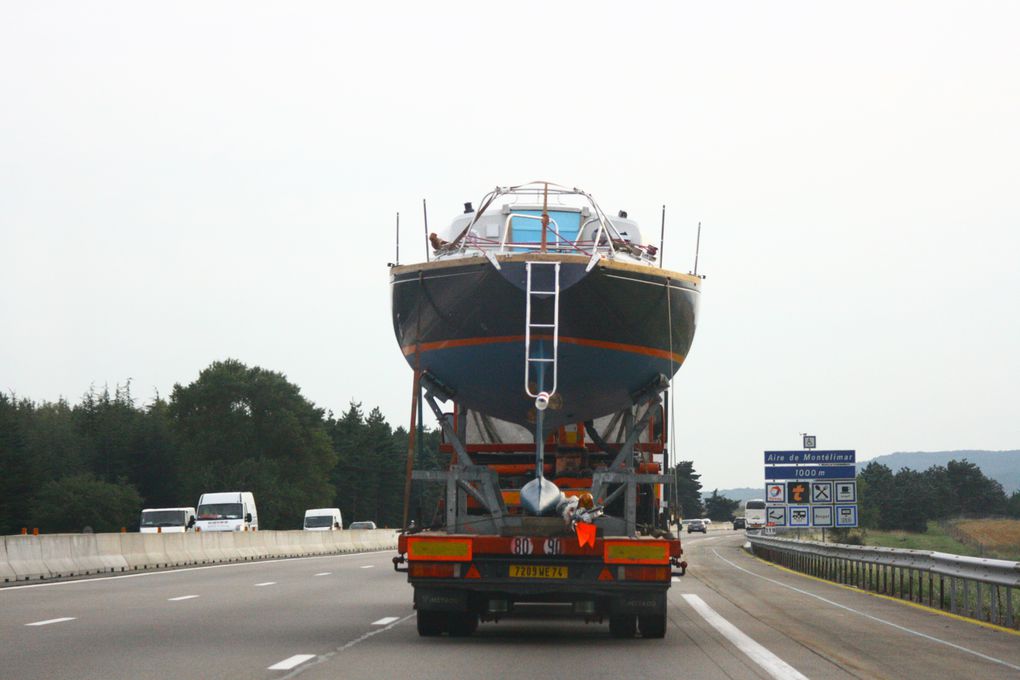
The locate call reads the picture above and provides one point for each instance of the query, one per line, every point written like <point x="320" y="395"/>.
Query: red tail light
<point x="432" y="569"/>
<point x="646" y="573"/>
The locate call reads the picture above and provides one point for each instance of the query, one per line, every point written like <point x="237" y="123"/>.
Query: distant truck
<point x="167" y="520"/>
<point x="227" y="511"/>
<point x="754" y="514"/>
<point x="323" y="519"/>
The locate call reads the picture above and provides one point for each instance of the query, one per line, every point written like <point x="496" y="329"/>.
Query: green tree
<point x="249" y="429"/>
<point x="720" y="508"/>
<point x="70" y="504"/>
<point x="1013" y="505"/>
<point x="353" y="473"/>
<point x="875" y="488"/>
<point x="910" y="506"/>
<point x="973" y="493"/>
<point x="688" y="489"/>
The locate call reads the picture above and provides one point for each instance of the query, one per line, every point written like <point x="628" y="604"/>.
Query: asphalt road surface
<point x="350" y="616"/>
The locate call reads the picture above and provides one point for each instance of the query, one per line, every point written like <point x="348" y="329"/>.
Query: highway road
<point x="350" y="616"/>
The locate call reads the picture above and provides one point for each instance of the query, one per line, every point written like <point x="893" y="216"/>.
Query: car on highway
<point x="166" y="520"/>
<point x="227" y="511"/>
<point x="697" y="525"/>
<point x="362" y="525"/>
<point x="323" y="519"/>
<point x="739" y="523"/>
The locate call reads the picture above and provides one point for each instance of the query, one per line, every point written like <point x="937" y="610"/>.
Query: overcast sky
<point x="187" y="182"/>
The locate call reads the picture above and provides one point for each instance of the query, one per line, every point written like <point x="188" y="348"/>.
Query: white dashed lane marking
<point x="182" y="597"/>
<point x="367" y="566"/>
<point x="291" y="662"/>
<point x="324" y="573"/>
<point x="49" y="621"/>
<point x="387" y="621"/>
<point x="267" y="583"/>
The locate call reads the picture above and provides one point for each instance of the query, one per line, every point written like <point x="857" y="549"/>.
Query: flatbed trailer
<point x="483" y="559"/>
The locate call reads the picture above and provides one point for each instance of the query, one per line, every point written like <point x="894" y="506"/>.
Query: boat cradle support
<point x="464" y="478"/>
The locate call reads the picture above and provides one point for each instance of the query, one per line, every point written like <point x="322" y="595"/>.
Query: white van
<point x="167" y="520"/>
<point x="323" y="519"/>
<point x="227" y="511"/>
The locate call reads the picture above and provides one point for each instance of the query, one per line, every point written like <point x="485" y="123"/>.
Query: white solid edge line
<point x="182" y="597"/>
<point x="772" y="664"/>
<point x="872" y="617"/>
<point x="49" y="621"/>
<point x="291" y="662"/>
<point x="386" y="621"/>
<point x="186" y="569"/>
<point x="265" y="583"/>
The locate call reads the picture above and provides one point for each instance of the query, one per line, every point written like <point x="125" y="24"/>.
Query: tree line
<point x="908" y="499"/>
<point x="97" y="463"/>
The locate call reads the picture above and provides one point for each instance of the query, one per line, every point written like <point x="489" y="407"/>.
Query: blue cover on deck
<point x="525" y="230"/>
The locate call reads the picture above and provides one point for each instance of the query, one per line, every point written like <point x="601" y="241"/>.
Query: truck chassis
<point x="484" y="562"/>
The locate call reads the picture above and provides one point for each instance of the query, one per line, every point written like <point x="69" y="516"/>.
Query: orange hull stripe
<point x="474" y="342"/>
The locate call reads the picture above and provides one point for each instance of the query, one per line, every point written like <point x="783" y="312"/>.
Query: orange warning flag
<point x="585" y="534"/>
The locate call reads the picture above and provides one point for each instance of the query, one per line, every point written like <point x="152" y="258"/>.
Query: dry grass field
<point x="996" y="537"/>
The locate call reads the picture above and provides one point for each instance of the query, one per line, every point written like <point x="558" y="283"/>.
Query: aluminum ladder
<point x="541" y="362"/>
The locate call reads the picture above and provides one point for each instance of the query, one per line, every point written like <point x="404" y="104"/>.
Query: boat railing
<point x="602" y="243"/>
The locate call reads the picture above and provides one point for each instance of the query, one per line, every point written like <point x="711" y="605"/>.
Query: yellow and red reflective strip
<point x="635" y="552"/>
<point x="439" y="549"/>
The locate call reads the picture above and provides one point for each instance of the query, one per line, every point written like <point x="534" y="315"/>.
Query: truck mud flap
<point x="638" y="603"/>
<point x="434" y="600"/>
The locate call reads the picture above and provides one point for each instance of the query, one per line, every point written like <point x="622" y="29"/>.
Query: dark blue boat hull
<point x="620" y="328"/>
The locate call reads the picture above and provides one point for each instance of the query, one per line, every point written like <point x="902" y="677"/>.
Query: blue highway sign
<point x="809" y="457"/>
<point x="811" y="472"/>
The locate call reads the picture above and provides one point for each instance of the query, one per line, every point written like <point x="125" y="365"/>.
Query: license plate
<point x="537" y="571"/>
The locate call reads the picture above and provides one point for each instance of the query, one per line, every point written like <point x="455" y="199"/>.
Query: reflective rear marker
<point x="387" y="621"/>
<point x="182" y="597"/>
<point x="49" y="621"/>
<point x="291" y="662"/>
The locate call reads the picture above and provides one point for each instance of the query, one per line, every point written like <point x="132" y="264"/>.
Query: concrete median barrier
<point x="6" y="573"/>
<point x="84" y="550"/>
<point x="110" y="553"/>
<point x="24" y="557"/>
<point x="132" y="549"/>
<point x="68" y="555"/>
<point x="57" y="555"/>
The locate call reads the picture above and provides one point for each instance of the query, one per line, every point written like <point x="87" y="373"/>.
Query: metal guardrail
<point x="975" y="587"/>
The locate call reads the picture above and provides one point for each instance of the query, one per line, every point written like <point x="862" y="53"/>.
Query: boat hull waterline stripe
<point x="600" y="344"/>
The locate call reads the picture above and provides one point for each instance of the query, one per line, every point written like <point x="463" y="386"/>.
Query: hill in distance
<point x="741" y="494"/>
<point x="1002" y="466"/>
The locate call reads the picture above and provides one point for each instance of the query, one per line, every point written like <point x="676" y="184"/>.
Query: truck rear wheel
<point x="463" y="625"/>
<point x="431" y="624"/>
<point x="622" y="625"/>
<point x="652" y="626"/>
